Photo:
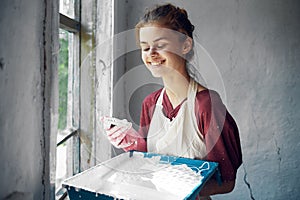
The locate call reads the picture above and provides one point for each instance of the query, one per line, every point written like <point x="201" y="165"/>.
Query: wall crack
<point x="247" y="183"/>
<point x="277" y="149"/>
<point x="2" y="63"/>
<point x="43" y="95"/>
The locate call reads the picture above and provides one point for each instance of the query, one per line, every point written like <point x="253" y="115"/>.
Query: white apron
<point x="181" y="136"/>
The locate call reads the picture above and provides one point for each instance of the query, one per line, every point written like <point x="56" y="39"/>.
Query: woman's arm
<point x="222" y="141"/>
<point x="212" y="187"/>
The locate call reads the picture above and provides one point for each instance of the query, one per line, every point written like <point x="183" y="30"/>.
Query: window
<point x="81" y="142"/>
<point x="68" y="146"/>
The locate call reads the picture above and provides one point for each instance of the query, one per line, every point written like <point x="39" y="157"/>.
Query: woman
<point x="184" y="118"/>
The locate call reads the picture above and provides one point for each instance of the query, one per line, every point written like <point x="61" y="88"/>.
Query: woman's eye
<point x="160" y="46"/>
<point x="145" y="49"/>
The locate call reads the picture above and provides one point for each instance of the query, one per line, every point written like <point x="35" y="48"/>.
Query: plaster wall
<point x="256" y="47"/>
<point x="25" y="57"/>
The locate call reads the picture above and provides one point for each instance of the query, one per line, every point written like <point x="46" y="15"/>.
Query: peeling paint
<point x="103" y="66"/>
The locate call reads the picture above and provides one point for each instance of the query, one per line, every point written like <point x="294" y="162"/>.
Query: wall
<point x="256" y="47"/>
<point x="25" y="88"/>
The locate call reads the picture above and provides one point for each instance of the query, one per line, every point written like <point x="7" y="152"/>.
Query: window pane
<point x="66" y="7"/>
<point x="63" y="78"/>
<point x="64" y="75"/>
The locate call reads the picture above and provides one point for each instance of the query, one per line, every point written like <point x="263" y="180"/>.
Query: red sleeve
<point x="147" y="110"/>
<point x="220" y="133"/>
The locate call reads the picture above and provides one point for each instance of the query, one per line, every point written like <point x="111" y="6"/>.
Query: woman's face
<point x="162" y="50"/>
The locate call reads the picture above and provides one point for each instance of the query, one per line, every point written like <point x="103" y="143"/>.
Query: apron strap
<point x="160" y="98"/>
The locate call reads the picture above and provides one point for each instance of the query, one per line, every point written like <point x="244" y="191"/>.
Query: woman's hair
<point x="168" y="16"/>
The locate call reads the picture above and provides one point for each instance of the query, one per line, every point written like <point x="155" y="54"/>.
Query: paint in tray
<point x="139" y="175"/>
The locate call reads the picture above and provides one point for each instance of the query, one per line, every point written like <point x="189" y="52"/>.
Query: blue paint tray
<point x="142" y="176"/>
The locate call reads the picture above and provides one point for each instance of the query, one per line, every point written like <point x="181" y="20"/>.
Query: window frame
<point x="72" y="138"/>
<point x="73" y="116"/>
<point x="94" y="25"/>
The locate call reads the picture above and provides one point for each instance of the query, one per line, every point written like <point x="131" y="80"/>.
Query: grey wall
<point x="25" y="60"/>
<point x="256" y="46"/>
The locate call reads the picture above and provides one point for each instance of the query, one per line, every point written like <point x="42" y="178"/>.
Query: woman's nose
<point x="153" y="51"/>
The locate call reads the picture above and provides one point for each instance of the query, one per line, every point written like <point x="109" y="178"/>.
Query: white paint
<point x="95" y="81"/>
<point x="136" y="177"/>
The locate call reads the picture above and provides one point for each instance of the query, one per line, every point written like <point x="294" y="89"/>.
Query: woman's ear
<point x="187" y="45"/>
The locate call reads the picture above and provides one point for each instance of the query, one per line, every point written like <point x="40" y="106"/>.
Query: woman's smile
<point x="161" y="50"/>
<point x="156" y="63"/>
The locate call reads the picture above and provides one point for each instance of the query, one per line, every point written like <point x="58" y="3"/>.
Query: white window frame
<point x="92" y="25"/>
<point x="71" y="131"/>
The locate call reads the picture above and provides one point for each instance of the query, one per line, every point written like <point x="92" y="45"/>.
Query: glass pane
<point x="61" y="168"/>
<point x="63" y="78"/>
<point x="65" y="65"/>
<point x="67" y="7"/>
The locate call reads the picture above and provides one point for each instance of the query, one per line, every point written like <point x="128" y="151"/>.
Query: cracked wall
<point x="25" y="57"/>
<point x="256" y="46"/>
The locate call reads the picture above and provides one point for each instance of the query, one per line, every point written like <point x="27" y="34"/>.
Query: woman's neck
<point x="176" y="85"/>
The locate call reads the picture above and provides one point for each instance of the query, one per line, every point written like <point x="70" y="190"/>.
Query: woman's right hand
<point x="116" y="131"/>
<point x="121" y="136"/>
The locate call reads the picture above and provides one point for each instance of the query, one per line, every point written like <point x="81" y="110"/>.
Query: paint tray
<point x="142" y="176"/>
